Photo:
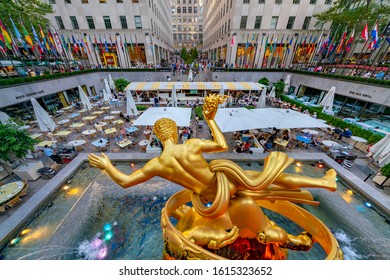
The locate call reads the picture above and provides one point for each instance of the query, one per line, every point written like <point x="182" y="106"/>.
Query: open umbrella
<point x="84" y="99"/>
<point x="327" y="102"/>
<point x="261" y="102"/>
<point x="131" y="108"/>
<point x="182" y="116"/>
<point x="287" y="84"/>
<point x="237" y="119"/>
<point x="111" y="82"/>
<point x="174" y="97"/>
<point x="286" y="118"/>
<point x="44" y="120"/>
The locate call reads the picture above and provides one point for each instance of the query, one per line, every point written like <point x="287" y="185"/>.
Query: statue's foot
<point x="302" y="242"/>
<point x="212" y="238"/>
<point x="272" y="235"/>
<point x="330" y="177"/>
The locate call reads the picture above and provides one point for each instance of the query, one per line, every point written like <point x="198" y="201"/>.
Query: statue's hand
<point x="210" y="106"/>
<point x="100" y="162"/>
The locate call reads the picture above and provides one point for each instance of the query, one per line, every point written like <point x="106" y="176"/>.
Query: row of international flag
<point x="50" y="42"/>
<point x="339" y="43"/>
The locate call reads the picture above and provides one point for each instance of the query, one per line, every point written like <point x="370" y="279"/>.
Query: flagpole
<point x="380" y="47"/>
<point x="260" y="50"/>
<point x="295" y="49"/>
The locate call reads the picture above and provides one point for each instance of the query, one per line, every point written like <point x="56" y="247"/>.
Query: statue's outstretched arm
<point x="122" y="179"/>
<point x="209" y="111"/>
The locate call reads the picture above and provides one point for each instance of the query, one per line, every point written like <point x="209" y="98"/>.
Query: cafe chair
<point x="2" y="209"/>
<point x="13" y="202"/>
<point x="24" y="190"/>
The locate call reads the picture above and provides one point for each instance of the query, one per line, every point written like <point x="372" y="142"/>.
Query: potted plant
<point x="382" y="177"/>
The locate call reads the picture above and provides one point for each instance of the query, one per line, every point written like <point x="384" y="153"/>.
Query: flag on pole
<point x="58" y="43"/>
<point x="45" y="43"/>
<point x="375" y="37"/>
<point x="36" y="38"/>
<point x="18" y="35"/>
<point x="289" y="45"/>
<point x="341" y="44"/>
<point x="105" y="44"/>
<point x="7" y="38"/>
<point x="75" y="46"/>
<point x="350" y="40"/>
<point x="27" y="36"/>
<point x="232" y="41"/>
<point x="364" y="34"/>
<point x="131" y="44"/>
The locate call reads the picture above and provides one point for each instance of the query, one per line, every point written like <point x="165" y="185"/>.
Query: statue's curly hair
<point x="165" y="128"/>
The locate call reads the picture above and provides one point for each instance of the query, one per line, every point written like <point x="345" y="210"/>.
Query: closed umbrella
<point x="106" y="97"/>
<point x="272" y="93"/>
<point x="327" y="102"/>
<point x="107" y="87"/>
<point x="174" y="97"/>
<point x="84" y="99"/>
<point x="5" y="119"/>
<point x="111" y="82"/>
<point x="190" y="75"/>
<point x="131" y="108"/>
<point x="287" y="84"/>
<point x="45" y="122"/>
<point x="380" y="151"/>
<point x="261" y="102"/>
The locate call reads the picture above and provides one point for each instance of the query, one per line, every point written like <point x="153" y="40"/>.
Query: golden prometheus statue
<point x="219" y="215"/>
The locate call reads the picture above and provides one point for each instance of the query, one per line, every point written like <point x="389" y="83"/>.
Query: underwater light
<point x="107" y="227"/>
<point x="25" y="231"/>
<point x="368" y="204"/>
<point x="349" y="192"/>
<point x="298" y="164"/>
<point x="102" y="253"/>
<point x="132" y="164"/>
<point x="208" y="204"/>
<point x="65" y="188"/>
<point x="15" y="241"/>
<point x="108" y="236"/>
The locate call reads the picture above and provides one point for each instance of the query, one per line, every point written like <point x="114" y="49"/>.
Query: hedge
<point x="337" y="122"/>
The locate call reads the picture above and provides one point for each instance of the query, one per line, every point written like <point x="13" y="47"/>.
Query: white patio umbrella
<point x="222" y="93"/>
<point x="287" y="84"/>
<point x="5" y="119"/>
<point x="131" y="108"/>
<point x="381" y="150"/>
<point x="261" y="102"/>
<point x="106" y="97"/>
<point x="107" y="87"/>
<point x="111" y="82"/>
<point x="174" y="97"/>
<point x="190" y="75"/>
<point x="327" y="102"/>
<point x="237" y="119"/>
<point x="286" y="118"/>
<point x="84" y="99"/>
<point x="44" y="120"/>
<point x="182" y="116"/>
<point x="272" y="93"/>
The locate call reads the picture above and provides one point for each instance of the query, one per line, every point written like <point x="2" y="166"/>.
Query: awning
<point x="154" y="86"/>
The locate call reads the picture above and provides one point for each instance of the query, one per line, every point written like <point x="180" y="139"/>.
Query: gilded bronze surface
<point x="225" y="216"/>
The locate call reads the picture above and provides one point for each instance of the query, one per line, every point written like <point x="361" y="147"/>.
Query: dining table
<point x="124" y="143"/>
<point x="64" y="121"/>
<point x="131" y="129"/>
<point x="109" y="117"/>
<point x="330" y="143"/>
<point x="359" y="139"/>
<point x="110" y="130"/>
<point x="77" y="143"/>
<point x="89" y="132"/>
<point x="310" y="131"/>
<point x="10" y="190"/>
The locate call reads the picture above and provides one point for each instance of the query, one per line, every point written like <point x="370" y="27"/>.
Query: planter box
<point x="379" y="179"/>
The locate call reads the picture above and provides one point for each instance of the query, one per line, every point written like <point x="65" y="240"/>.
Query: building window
<point x="261" y="1"/>
<point x="84" y="2"/>
<point x="278" y="1"/>
<point x="60" y="23"/>
<point x="190" y="10"/>
<point x="138" y="22"/>
<point x="107" y="22"/>
<point x="290" y="23"/>
<point x="103" y="1"/>
<point x="229" y="25"/>
<point x="74" y="22"/>
<point x="328" y="2"/>
<point x="119" y="1"/>
<point x="195" y="1"/>
<point x="178" y="1"/>
<point x="313" y="1"/>
<point x="296" y="1"/>
<point x="68" y="2"/>
<point x="184" y="10"/>
<point x="258" y="22"/>
<point x="274" y="23"/>
<point x="306" y="23"/>
<point x="179" y="10"/>
<point x="244" y="19"/>
<point x="184" y="2"/>
<point x="90" y="22"/>
<point x="200" y="27"/>
<point x="52" y="1"/>
<point x="123" y="22"/>
<point x="195" y="10"/>
<point x="246" y="1"/>
<point x="134" y="1"/>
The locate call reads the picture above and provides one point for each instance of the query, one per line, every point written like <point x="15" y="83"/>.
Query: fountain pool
<point x="93" y="218"/>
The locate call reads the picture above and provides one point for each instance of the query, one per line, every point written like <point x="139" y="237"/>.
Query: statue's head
<point x="165" y="129"/>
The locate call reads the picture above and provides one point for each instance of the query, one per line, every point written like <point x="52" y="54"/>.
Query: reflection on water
<point x="97" y="219"/>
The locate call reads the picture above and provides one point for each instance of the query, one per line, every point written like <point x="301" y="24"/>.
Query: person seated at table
<point x="346" y="133"/>
<point x="240" y="148"/>
<point x="314" y="115"/>
<point x="246" y="147"/>
<point x="306" y="135"/>
<point x="49" y="152"/>
<point x="314" y="141"/>
<point x="127" y="118"/>
<point x="185" y="133"/>
<point x="285" y="135"/>
<point x="121" y="115"/>
<point x="118" y="138"/>
<point x="273" y="137"/>
<point x="268" y="145"/>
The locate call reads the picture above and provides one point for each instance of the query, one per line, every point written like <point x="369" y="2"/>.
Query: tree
<point x="264" y="81"/>
<point x="279" y="87"/>
<point x="15" y="142"/>
<point x="194" y="54"/>
<point x="184" y="53"/>
<point x="349" y="14"/>
<point x="30" y="11"/>
<point x="121" y="84"/>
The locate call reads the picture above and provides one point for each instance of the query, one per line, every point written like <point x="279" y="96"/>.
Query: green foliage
<point x="121" y="84"/>
<point x="279" y="87"/>
<point x="141" y="107"/>
<point x="30" y="11"/>
<point x="348" y="14"/>
<point x="385" y="170"/>
<point x="15" y="142"/>
<point x="264" y="81"/>
<point x="194" y="54"/>
<point x="250" y="107"/>
<point x="184" y="53"/>
<point x="374" y="138"/>
<point x="199" y="112"/>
